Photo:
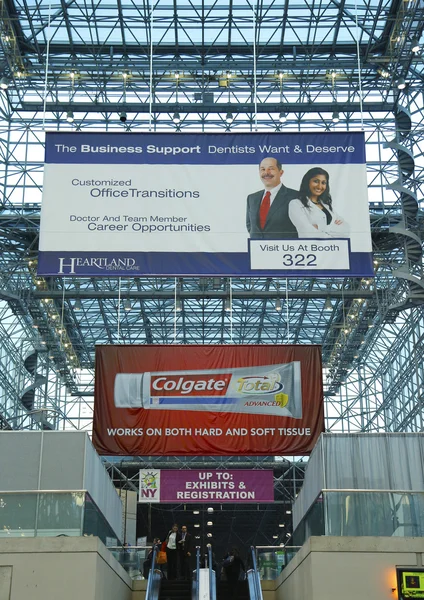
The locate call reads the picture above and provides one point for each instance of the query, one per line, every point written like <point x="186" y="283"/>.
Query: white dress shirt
<point x="274" y="192"/>
<point x="172" y="544"/>
<point x="305" y="217"/>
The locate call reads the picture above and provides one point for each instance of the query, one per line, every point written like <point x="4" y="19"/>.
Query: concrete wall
<point x="330" y="568"/>
<point x="326" y="568"/>
<point x="79" y="568"/>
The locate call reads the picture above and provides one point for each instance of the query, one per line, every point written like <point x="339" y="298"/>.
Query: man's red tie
<point x="264" y="209"/>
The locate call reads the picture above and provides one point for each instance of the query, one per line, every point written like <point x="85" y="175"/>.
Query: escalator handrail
<point x="212" y="586"/>
<point x="151" y="573"/>
<point x="256" y="578"/>
<point x="196" y="595"/>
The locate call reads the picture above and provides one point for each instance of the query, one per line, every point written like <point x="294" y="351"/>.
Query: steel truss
<point x="204" y="60"/>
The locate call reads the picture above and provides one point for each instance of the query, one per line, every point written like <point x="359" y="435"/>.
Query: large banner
<point x="272" y="204"/>
<point x="163" y="485"/>
<point x="207" y="400"/>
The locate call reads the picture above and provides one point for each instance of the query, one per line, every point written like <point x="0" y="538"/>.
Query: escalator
<point x="204" y="585"/>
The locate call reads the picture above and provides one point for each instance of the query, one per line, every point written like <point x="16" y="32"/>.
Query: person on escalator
<point x="172" y="538"/>
<point x="233" y="567"/>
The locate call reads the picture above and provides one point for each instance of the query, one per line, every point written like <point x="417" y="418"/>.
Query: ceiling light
<point x="209" y="535"/>
<point x="123" y="116"/>
<point x="179" y="308"/>
<point x="281" y="525"/>
<point x="227" y="305"/>
<point x="328" y="305"/>
<point x="401" y="83"/>
<point x="275" y="537"/>
<point x="176" y="118"/>
<point x="196" y="512"/>
<point x="210" y="509"/>
<point x="229" y="118"/>
<point x="77" y="305"/>
<point x="197" y="525"/>
<point x="336" y="117"/>
<point x="209" y="523"/>
<point x="278" y="305"/>
<point x="288" y="512"/>
<point x="127" y="304"/>
<point x="70" y="116"/>
<point x="4" y="83"/>
<point x="283" y="117"/>
<point x="415" y="45"/>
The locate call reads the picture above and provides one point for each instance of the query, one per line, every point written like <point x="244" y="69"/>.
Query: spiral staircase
<point x="406" y="231"/>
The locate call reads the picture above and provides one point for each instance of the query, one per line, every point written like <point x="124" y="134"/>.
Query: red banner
<point x="207" y="400"/>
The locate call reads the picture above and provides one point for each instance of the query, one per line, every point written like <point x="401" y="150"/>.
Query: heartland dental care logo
<point x="70" y="265"/>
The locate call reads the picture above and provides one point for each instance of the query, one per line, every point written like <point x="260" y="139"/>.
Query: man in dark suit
<point x="267" y="215"/>
<point x="185" y="546"/>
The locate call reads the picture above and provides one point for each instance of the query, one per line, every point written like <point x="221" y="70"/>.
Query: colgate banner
<point x="206" y="486"/>
<point x="207" y="400"/>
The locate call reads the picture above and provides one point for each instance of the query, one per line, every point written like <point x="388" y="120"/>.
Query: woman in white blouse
<point x="312" y="213"/>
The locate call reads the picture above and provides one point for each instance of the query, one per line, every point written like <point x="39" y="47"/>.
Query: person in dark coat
<point x="147" y="564"/>
<point x="233" y="567"/>
<point x="267" y="211"/>
<point x="185" y="548"/>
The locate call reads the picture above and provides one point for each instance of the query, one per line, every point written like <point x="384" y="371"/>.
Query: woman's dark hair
<point x="304" y="190"/>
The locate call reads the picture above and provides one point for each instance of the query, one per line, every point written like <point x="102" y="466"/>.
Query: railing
<point x="212" y="577"/>
<point x="195" y="584"/>
<point x="253" y="579"/>
<point x="271" y="560"/>
<point x="153" y="582"/>
<point x="52" y="513"/>
<point x="131" y="558"/>
<point x="363" y="512"/>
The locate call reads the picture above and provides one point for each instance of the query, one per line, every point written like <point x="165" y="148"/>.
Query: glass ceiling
<point x="202" y="23"/>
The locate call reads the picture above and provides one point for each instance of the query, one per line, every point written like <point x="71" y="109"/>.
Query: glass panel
<point x="312" y="524"/>
<point x="60" y="514"/>
<point x="17" y="515"/>
<point x="271" y="561"/>
<point x="374" y="514"/>
<point x="96" y="524"/>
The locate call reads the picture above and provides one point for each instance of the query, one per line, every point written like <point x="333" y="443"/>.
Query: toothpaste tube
<point x="267" y="390"/>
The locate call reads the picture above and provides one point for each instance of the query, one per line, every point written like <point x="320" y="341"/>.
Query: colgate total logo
<point x="260" y="384"/>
